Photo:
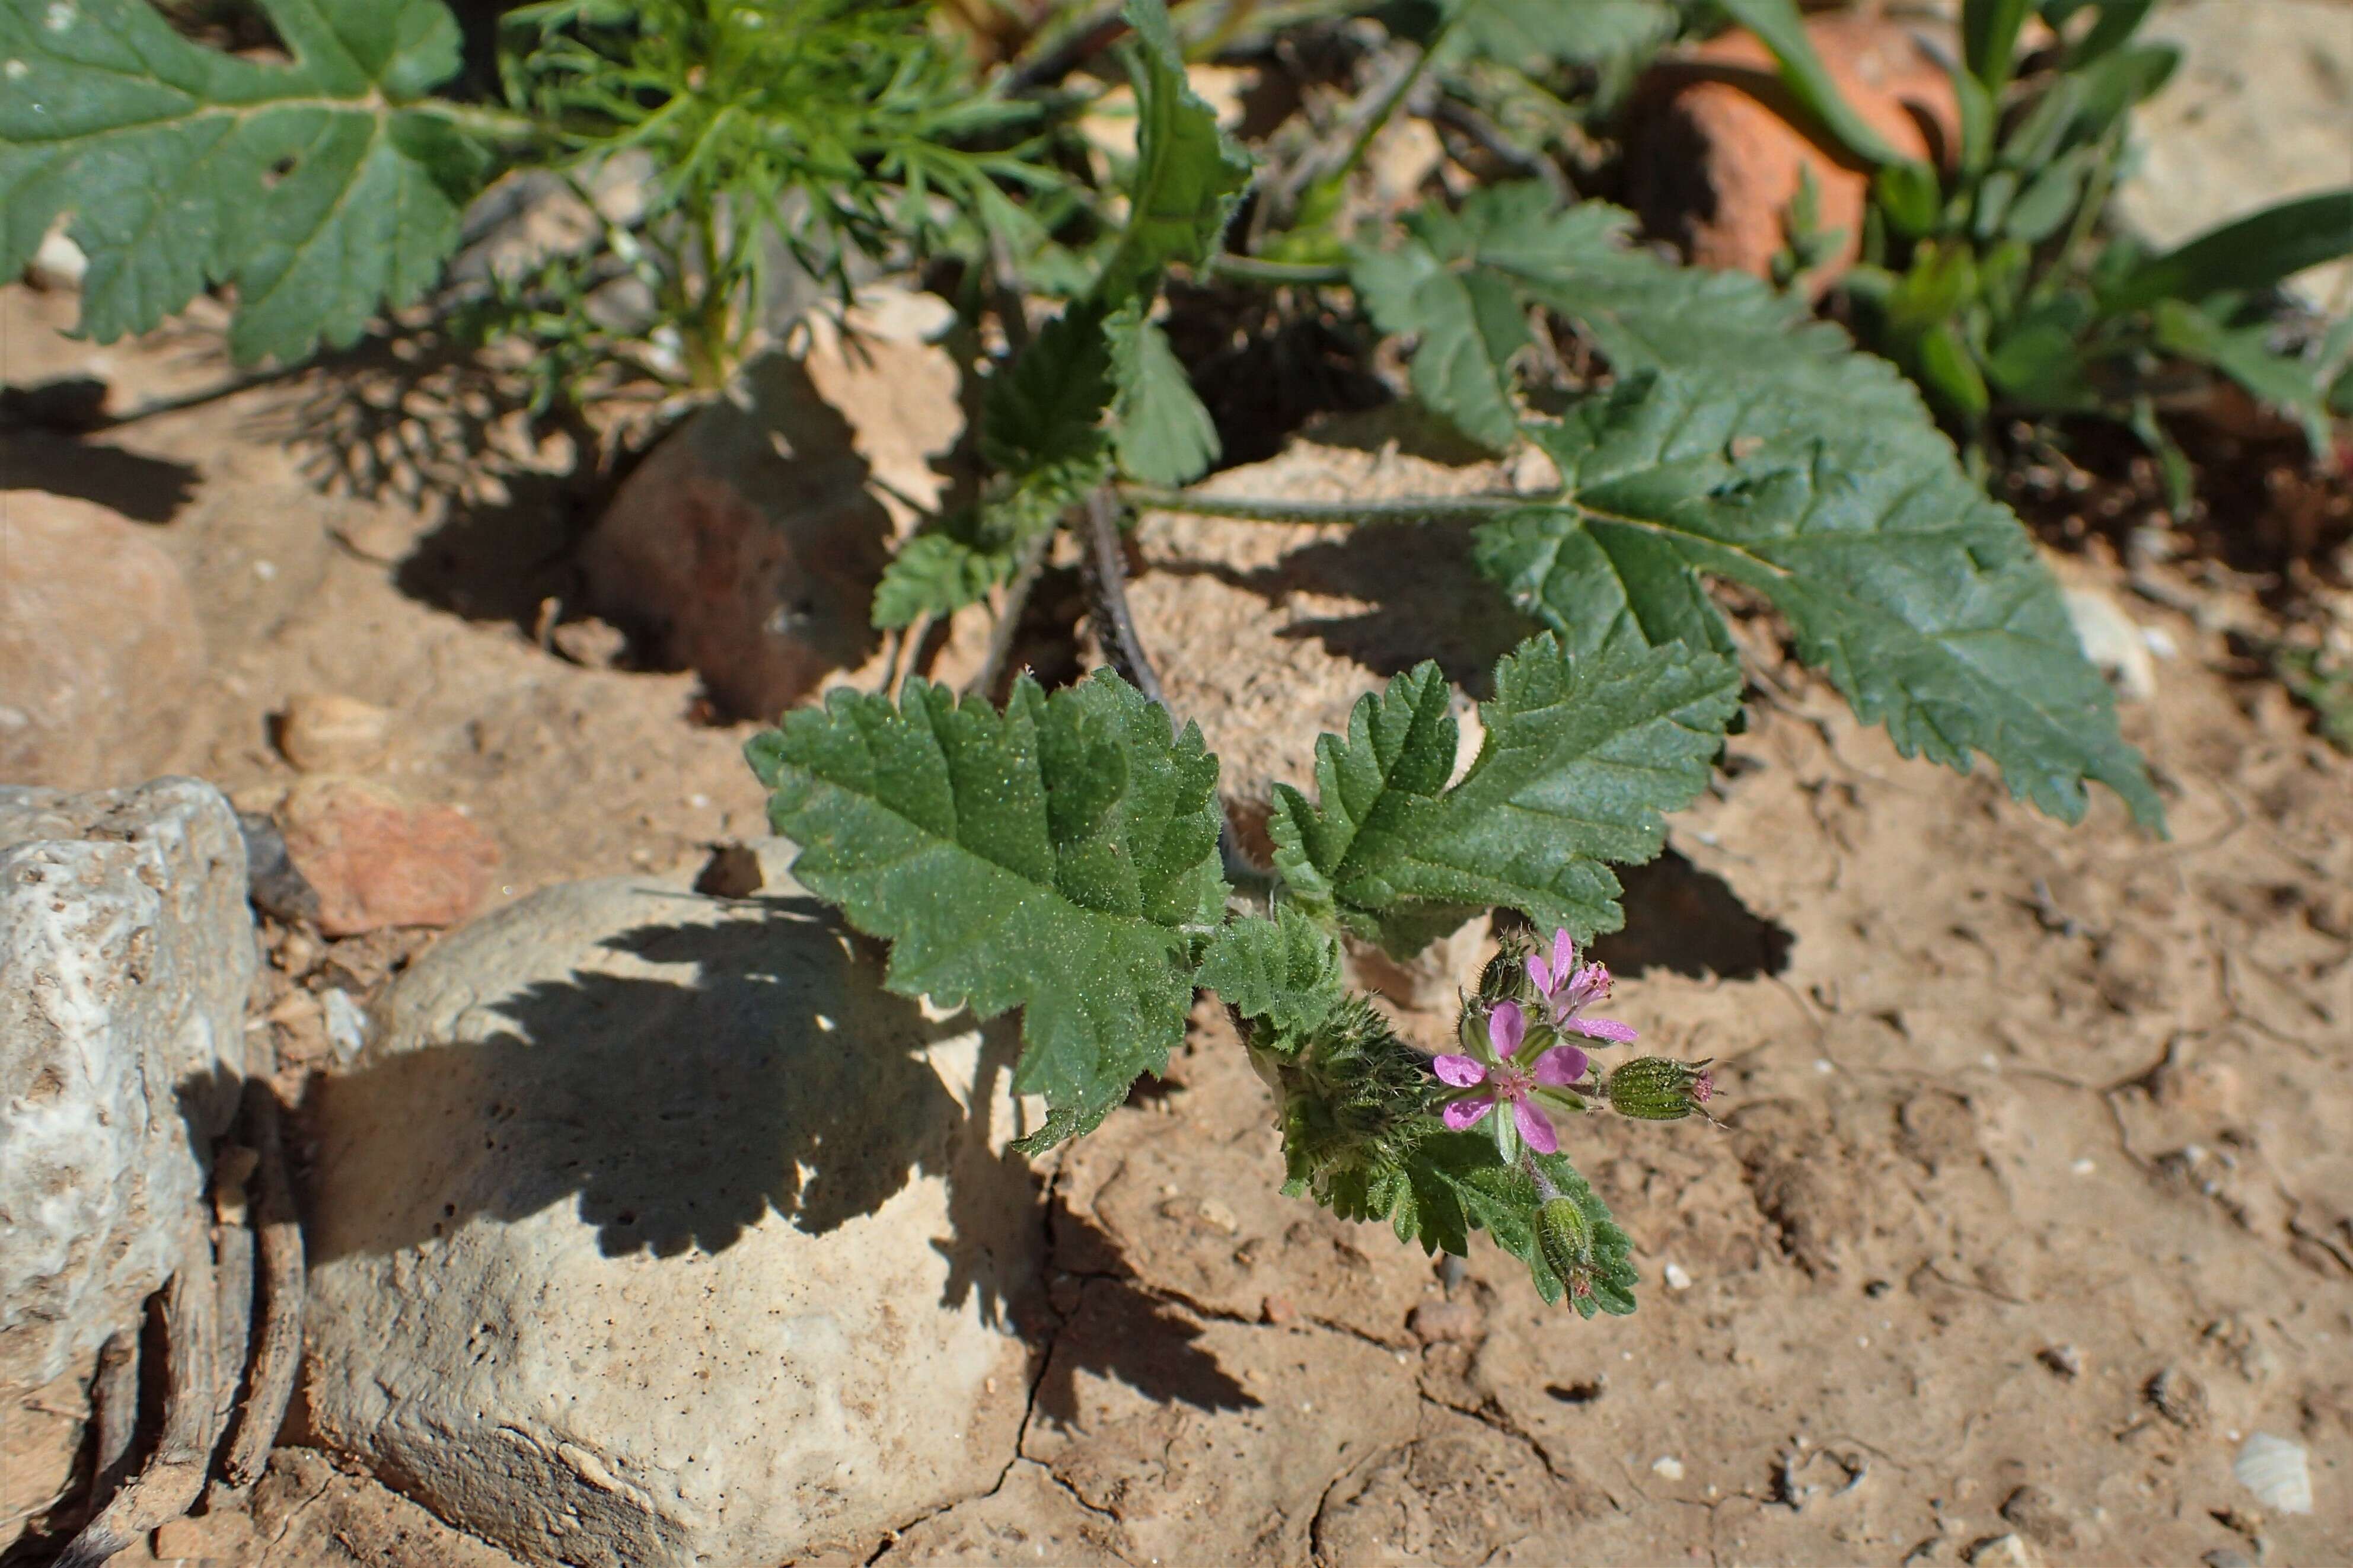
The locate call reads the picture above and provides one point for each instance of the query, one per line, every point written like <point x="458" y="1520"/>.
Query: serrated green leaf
<point x="313" y="187"/>
<point x="1047" y="407"/>
<point x="1583" y="754"/>
<point x="1469" y="323"/>
<point x="1188" y="172"/>
<point x="1922" y="600"/>
<point x="1060" y="858"/>
<point x="1284" y="971"/>
<point x="937" y="574"/>
<point x="1162" y="433"/>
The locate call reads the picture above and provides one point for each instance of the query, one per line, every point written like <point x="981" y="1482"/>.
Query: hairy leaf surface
<point x="1584" y="752"/>
<point x="1061" y="856"/>
<point x="1921" y="599"/>
<point x="1284" y="971"/>
<point x="315" y="187"/>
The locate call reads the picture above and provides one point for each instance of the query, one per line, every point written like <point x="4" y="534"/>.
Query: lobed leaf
<point x="1584" y="752"/>
<point x="1061" y="856"/>
<point x="317" y="188"/>
<point x="1283" y="971"/>
<point x="1921" y="599"/>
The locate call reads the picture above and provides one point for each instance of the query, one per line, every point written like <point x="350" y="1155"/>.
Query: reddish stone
<point x="747" y="547"/>
<point x="1715" y="148"/>
<point x="377" y="860"/>
<point x="101" y="653"/>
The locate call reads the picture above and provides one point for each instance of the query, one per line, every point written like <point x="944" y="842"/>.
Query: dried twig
<point x="175" y="1474"/>
<point x="116" y="1395"/>
<point x="280" y="1353"/>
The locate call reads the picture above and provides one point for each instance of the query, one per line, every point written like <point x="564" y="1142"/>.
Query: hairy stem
<point x="1250" y="269"/>
<point x="1008" y="617"/>
<point x="1244" y="508"/>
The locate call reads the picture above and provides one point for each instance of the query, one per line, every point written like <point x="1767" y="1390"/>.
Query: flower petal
<point x="1587" y="986"/>
<point x="1459" y="1070"/>
<point x="1563" y="954"/>
<point x="1506" y="1027"/>
<point x="1609" y="1029"/>
<point x="1541" y="972"/>
<point x="1461" y="1113"/>
<point x="1535" y="1127"/>
<point x="1561" y="1065"/>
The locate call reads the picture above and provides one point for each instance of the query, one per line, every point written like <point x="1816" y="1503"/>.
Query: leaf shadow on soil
<point x="682" y="1108"/>
<point x="143" y="489"/>
<point x="1424" y="599"/>
<point x="1691" y="923"/>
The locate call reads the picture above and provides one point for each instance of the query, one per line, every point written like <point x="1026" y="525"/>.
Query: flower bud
<point x="1565" y="1237"/>
<point x="1505" y="976"/>
<point x="1657" y="1088"/>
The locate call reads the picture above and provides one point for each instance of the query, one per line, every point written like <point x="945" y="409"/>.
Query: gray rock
<point x="126" y="954"/>
<point x="655" y="1232"/>
<point x="2261" y="112"/>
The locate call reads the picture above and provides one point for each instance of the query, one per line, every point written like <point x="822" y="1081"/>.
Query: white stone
<point x="2273" y="1469"/>
<point x="2261" y="112"/>
<point x="126" y="954"/>
<point x="2112" y="641"/>
<point x="653" y="1232"/>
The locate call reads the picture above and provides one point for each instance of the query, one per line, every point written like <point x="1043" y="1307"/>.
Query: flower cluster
<point x="1514" y="1054"/>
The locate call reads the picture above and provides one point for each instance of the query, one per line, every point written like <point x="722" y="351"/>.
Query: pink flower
<point x="1568" y="991"/>
<point x="1512" y="1071"/>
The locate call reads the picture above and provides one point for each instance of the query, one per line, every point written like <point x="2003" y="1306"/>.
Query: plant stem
<point x="1008" y="617"/>
<point x="1243" y="508"/>
<point x="1388" y="103"/>
<point x="1250" y="269"/>
<point x="1103" y="564"/>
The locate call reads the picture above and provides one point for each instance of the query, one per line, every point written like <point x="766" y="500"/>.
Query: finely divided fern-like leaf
<point x="1922" y="600"/>
<point x="320" y="189"/>
<point x="1061" y="856"/>
<point x="1584" y="752"/>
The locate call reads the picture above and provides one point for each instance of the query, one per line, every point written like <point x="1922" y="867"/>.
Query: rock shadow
<point x="143" y="489"/>
<point x="1426" y="599"/>
<point x="1116" y="1329"/>
<point x="767" y="1073"/>
<point x="1690" y="922"/>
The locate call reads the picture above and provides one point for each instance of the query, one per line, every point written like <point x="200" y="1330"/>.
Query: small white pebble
<point x="698" y="800"/>
<point x="1677" y="1280"/>
<point x="265" y="570"/>
<point x="1667" y="1465"/>
<point x="1990" y="1062"/>
<point x="2160" y="642"/>
<point x="1863" y="1341"/>
<point x="2085" y="1166"/>
<point x="1824" y="1064"/>
<point x="1625" y="1355"/>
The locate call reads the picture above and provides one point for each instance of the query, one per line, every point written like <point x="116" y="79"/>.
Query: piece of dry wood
<point x="279" y="1355"/>
<point x="175" y="1474"/>
<point x="116" y="1395"/>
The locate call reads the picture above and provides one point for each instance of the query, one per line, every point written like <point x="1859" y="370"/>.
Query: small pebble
<point x="2064" y="1360"/>
<point x="346" y="1024"/>
<point x="1677" y="1280"/>
<point x="2273" y="1469"/>
<point x="1667" y="1465"/>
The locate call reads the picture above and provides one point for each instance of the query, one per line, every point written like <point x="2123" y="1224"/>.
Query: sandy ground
<point x="2032" y="1200"/>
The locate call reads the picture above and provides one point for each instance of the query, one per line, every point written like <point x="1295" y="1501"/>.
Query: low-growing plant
<point x="1989" y="280"/>
<point x="1064" y="853"/>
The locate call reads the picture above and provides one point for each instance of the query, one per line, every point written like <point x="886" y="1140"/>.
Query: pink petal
<point x="1589" y="985"/>
<point x="1535" y="1127"/>
<point x="1541" y="972"/>
<point x="1459" y="1070"/>
<point x="1560" y="1066"/>
<point x="1563" y="954"/>
<point x="1461" y="1113"/>
<point x="1610" y="1029"/>
<point x="1506" y="1027"/>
